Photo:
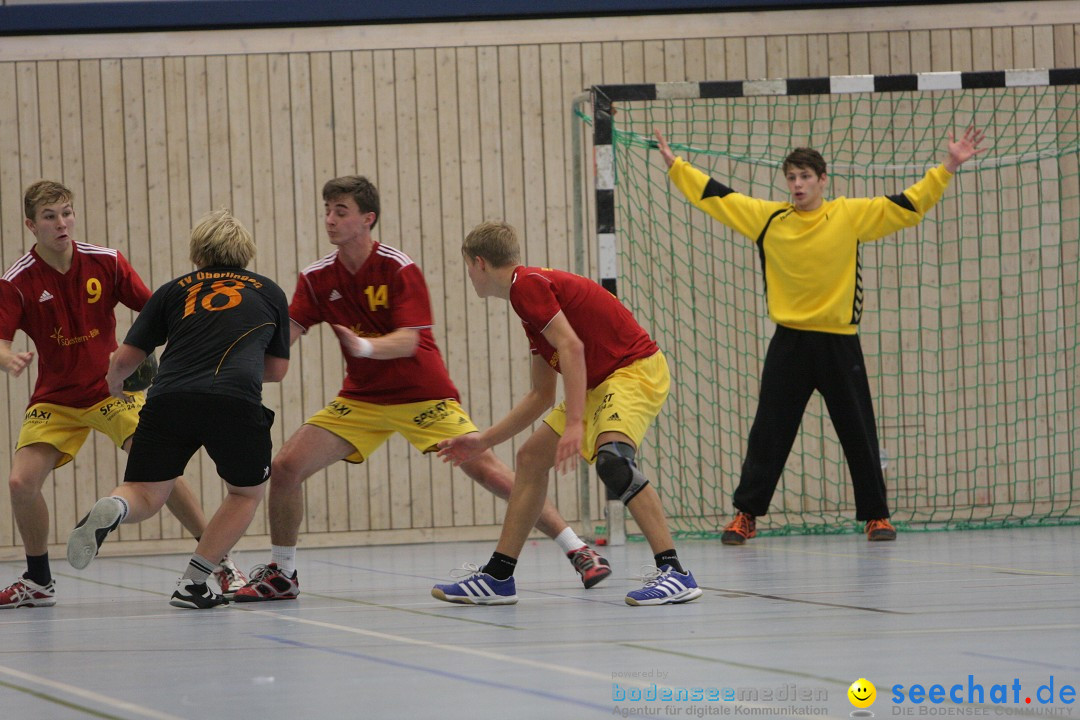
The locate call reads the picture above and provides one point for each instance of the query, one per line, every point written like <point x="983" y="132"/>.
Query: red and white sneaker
<point x="268" y="583"/>
<point x="24" y="592"/>
<point x="590" y="565"/>
<point x="229" y="577"/>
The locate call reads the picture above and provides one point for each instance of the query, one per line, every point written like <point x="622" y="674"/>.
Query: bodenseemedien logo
<point x="862" y="695"/>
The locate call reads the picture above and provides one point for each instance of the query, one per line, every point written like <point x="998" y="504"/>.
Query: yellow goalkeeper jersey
<point x="813" y="274"/>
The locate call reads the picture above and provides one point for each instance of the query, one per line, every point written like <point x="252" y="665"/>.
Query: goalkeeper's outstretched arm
<point x="960" y="151"/>
<point x="665" y="150"/>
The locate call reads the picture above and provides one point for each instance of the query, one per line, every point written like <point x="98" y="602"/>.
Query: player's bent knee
<point x="617" y="470"/>
<point x="533" y="457"/>
<point x="285" y="472"/>
<point x="24" y="488"/>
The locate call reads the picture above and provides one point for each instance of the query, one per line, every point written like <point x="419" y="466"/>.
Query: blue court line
<point x="1052" y="666"/>
<point x="606" y="709"/>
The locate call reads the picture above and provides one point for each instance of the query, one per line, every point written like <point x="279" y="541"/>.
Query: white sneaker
<point x="229" y="577"/>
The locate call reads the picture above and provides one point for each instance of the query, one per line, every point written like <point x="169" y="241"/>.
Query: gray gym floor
<point x="785" y="625"/>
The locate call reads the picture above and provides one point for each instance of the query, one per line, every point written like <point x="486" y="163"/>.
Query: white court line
<point x="89" y="695"/>
<point x="919" y="561"/>
<point x="982" y="630"/>
<point x="487" y="654"/>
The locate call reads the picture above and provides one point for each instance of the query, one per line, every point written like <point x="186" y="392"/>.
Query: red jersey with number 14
<point x="612" y="337"/>
<point x="70" y="317"/>
<point x="388" y="292"/>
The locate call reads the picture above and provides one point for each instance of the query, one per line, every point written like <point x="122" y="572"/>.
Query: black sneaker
<point x="86" y="538"/>
<point x="195" y="596"/>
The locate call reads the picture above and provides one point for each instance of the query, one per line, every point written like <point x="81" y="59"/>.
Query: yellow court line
<point x="89" y="695"/>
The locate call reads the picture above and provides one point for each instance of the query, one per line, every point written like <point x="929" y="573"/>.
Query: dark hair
<point x="805" y="158"/>
<point x="359" y="188"/>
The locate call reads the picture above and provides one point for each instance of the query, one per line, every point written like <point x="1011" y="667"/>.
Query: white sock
<point x="284" y="556"/>
<point x="569" y="541"/>
<point x="198" y="569"/>
<point x="123" y="506"/>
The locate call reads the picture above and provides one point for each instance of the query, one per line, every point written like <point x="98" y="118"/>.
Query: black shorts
<point x="172" y="428"/>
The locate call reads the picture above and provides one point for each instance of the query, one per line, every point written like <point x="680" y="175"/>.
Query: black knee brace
<point x="616" y="468"/>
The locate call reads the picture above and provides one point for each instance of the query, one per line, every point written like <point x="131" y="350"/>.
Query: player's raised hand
<point x="462" y="448"/>
<point x="962" y="150"/>
<point x="17" y="362"/>
<point x="665" y="149"/>
<point x="351" y="343"/>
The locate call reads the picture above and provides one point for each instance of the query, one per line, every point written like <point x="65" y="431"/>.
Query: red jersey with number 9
<point x="388" y="292"/>
<point x="71" y="319"/>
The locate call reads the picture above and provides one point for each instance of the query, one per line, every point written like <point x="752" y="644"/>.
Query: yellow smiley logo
<point x="862" y="693"/>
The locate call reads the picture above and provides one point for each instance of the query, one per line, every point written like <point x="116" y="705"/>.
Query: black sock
<point x="37" y="569"/>
<point x="500" y="566"/>
<point x="668" y="557"/>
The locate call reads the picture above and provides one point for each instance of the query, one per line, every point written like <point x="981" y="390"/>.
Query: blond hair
<point x="494" y="241"/>
<point x="42" y="193"/>
<point x="219" y="239"/>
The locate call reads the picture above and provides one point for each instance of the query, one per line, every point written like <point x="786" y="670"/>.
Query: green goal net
<point x="970" y="324"/>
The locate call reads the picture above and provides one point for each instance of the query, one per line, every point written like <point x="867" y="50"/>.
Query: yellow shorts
<point x="366" y="426"/>
<point x="66" y="428"/>
<point x="627" y="402"/>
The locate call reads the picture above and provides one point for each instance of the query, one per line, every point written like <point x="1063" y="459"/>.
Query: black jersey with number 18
<point x="220" y="323"/>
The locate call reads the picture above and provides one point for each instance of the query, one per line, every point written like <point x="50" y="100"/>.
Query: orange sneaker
<point x="880" y="529"/>
<point x="739" y="530"/>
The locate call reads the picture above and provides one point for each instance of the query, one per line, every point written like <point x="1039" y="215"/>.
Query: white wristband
<point x="363" y="348"/>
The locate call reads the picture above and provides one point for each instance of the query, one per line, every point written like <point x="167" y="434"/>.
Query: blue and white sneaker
<point x="664" y="586"/>
<point x="478" y="588"/>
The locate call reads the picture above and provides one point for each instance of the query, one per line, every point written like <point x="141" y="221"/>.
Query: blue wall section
<point x="192" y="14"/>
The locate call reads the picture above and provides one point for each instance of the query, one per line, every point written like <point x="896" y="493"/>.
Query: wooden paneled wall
<point x="455" y="123"/>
